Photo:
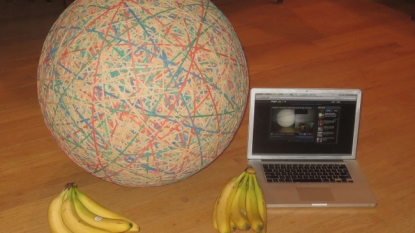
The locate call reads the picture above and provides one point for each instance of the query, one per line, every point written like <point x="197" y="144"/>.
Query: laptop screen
<point x="309" y="122"/>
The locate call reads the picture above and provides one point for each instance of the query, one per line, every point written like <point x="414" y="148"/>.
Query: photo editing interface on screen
<point x="290" y="123"/>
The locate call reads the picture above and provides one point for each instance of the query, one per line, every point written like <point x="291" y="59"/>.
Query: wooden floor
<point x="320" y="43"/>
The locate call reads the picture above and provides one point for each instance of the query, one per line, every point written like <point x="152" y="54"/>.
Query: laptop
<point x="302" y="144"/>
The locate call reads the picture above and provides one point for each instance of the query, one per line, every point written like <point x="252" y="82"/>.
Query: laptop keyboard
<point x="296" y="173"/>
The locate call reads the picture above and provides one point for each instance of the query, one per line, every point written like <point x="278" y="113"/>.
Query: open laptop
<point x="302" y="144"/>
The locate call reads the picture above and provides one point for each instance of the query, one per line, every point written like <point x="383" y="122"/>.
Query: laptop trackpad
<point x="315" y="194"/>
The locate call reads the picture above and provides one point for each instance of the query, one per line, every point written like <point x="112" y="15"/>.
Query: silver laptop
<point x="302" y="143"/>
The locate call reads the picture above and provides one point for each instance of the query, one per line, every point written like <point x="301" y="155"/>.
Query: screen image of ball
<point x="286" y="117"/>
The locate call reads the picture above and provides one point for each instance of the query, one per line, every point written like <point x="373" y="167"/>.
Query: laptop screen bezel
<point x="307" y="91"/>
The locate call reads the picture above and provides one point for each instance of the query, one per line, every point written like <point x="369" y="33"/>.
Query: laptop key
<point x="307" y="180"/>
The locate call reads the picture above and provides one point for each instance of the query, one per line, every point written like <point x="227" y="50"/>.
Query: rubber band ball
<point x="142" y="92"/>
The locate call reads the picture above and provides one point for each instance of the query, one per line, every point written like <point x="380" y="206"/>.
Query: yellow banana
<point x="113" y="225"/>
<point x="54" y="214"/>
<point x="233" y="226"/>
<point x="238" y="207"/>
<point x="262" y="207"/>
<point x="72" y="220"/>
<point x="250" y="170"/>
<point x="223" y="205"/>
<point x="221" y="214"/>
<point x="215" y="224"/>
<point x="100" y="210"/>
<point x="252" y="210"/>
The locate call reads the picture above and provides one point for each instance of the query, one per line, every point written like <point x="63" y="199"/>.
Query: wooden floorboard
<point x="366" y="44"/>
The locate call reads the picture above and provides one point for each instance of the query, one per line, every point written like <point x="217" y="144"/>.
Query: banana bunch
<point x="74" y="212"/>
<point x="241" y="205"/>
